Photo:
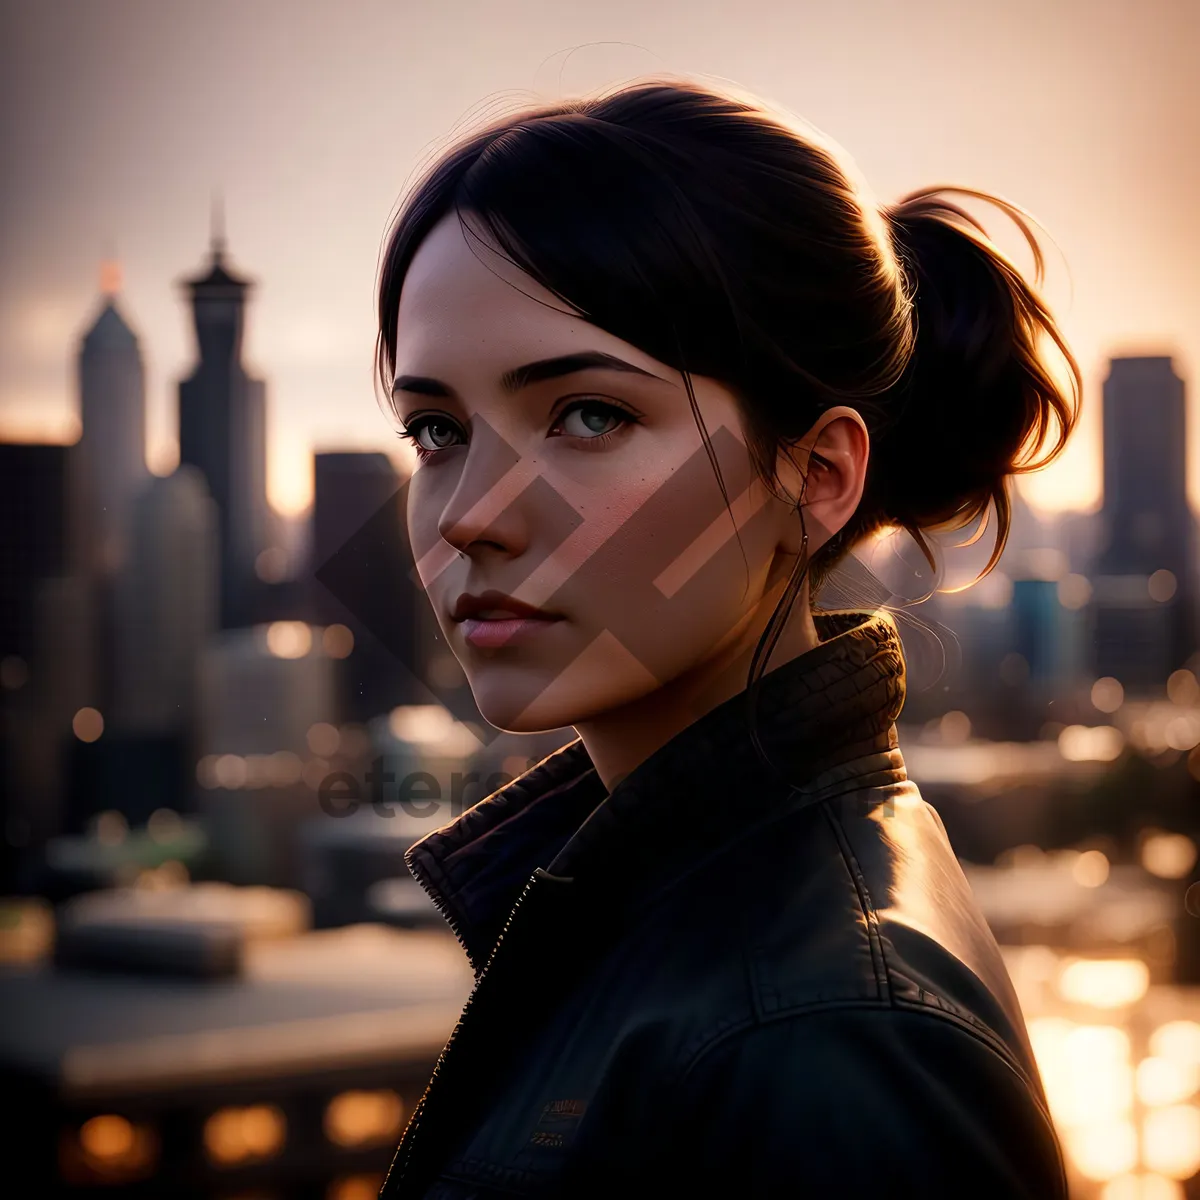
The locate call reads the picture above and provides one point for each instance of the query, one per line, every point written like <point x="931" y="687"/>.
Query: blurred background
<point x="217" y="978"/>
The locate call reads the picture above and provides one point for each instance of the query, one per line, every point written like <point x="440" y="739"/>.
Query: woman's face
<point x="562" y="467"/>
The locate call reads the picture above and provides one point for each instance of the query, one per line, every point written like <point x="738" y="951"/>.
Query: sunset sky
<point x="119" y="119"/>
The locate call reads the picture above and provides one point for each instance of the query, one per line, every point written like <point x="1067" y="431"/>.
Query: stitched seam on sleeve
<point x="981" y="1034"/>
<point x="878" y="960"/>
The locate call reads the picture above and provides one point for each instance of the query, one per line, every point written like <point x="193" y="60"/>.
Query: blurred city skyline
<point x="222" y="728"/>
<point x="309" y="128"/>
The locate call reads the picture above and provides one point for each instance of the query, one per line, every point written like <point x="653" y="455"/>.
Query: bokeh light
<point x="1091" y="868"/>
<point x="1183" y="688"/>
<point x="1171" y="1141"/>
<point x="1074" y="592"/>
<point x="1104" y="983"/>
<point x="289" y="639"/>
<point x="1167" y="855"/>
<point x="1091" y="743"/>
<point x="323" y="739"/>
<point x="363" y="1118"/>
<point x="87" y="724"/>
<point x="271" y="565"/>
<point x="1162" y="586"/>
<point x="1107" y="694"/>
<point x="337" y="641"/>
<point x="236" y="1135"/>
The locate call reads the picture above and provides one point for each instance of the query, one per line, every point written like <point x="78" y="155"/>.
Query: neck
<point x="622" y="739"/>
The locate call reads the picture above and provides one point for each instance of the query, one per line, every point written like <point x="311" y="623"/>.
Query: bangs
<point x="586" y="210"/>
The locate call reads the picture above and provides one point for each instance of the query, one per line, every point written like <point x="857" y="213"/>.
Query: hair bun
<point x="976" y="402"/>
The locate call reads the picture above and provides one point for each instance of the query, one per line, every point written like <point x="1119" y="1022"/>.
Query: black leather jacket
<point x="726" y="979"/>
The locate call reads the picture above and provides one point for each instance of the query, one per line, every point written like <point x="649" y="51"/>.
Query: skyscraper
<point x="166" y="604"/>
<point x="1145" y="577"/>
<point x="47" y="626"/>
<point x="112" y="394"/>
<point x="222" y="428"/>
<point x="361" y="557"/>
<point x="1044" y="633"/>
<point x="349" y="489"/>
<point x="40" y="507"/>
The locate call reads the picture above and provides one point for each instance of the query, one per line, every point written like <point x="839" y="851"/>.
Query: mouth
<point x="497" y="606"/>
<point x="503" y="631"/>
<point x="492" y="619"/>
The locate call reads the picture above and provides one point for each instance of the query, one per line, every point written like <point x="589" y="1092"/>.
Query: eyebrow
<point x="530" y="373"/>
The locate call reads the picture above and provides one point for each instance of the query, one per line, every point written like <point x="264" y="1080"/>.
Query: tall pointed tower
<point x="112" y="392"/>
<point x="222" y="427"/>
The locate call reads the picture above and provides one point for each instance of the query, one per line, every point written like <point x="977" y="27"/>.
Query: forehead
<point x="464" y="304"/>
<point x="460" y="287"/>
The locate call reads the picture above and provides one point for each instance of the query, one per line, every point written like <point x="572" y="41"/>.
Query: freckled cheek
<point x="621" y="516"/>
<point x="634" y="564"/>
<point x="670" y="590"/>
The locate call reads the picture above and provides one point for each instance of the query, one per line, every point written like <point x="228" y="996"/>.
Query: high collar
<point x="826" y="721"/>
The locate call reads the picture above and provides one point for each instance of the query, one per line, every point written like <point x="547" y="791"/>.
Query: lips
<point x="497" y="606"/>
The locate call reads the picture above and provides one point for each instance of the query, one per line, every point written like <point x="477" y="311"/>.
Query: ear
<point x="827" y="471"/>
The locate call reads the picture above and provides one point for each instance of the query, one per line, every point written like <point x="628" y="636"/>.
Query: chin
<point x="519" y="700"/>
<point x="512" y="702"/>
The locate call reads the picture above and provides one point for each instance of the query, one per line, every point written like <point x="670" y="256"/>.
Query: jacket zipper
<point x="419" y="873"/>
<point x="404" y="1153"/>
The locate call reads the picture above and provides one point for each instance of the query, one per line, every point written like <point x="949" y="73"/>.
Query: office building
<point x="166" y="603"/>
<point x="1145" y="585"/>
<point x="360" y="577"/>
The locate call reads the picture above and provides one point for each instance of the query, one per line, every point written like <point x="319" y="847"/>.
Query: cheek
<point x="423" y="507"/>
<point x="668" y="602"/>
<point x="657" y="566"/>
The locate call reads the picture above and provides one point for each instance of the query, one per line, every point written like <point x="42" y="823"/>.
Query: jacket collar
<point x="826" y="720"/>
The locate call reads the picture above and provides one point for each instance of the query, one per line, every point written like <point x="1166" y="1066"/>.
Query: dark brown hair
<point x="720" y="241"/>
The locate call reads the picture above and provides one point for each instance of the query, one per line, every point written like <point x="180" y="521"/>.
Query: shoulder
<point x="845" y="947"/>
<point x="856" y="898"/>
<point x="852" y="1095"/>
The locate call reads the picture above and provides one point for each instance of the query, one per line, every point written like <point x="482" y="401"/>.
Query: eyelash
<point x="414" y="426"/>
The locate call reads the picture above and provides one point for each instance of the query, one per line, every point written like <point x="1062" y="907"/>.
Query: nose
<point x="484" y="508"/>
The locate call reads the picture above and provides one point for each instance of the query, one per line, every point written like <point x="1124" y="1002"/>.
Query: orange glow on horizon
<point x="110" y="277"/>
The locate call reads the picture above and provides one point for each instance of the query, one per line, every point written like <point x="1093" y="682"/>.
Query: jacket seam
<point x="762" y="825"/>
<point x="890" y="777"/>
<point x="980" y="1033"/>
<point x="870" y="916"/>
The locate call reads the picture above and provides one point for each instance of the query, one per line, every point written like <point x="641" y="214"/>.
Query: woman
<point x="663" y="365"/>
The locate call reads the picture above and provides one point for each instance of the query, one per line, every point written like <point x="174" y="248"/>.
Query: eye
<point x="592" y="419"/>
<point x="431" y="433"/>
